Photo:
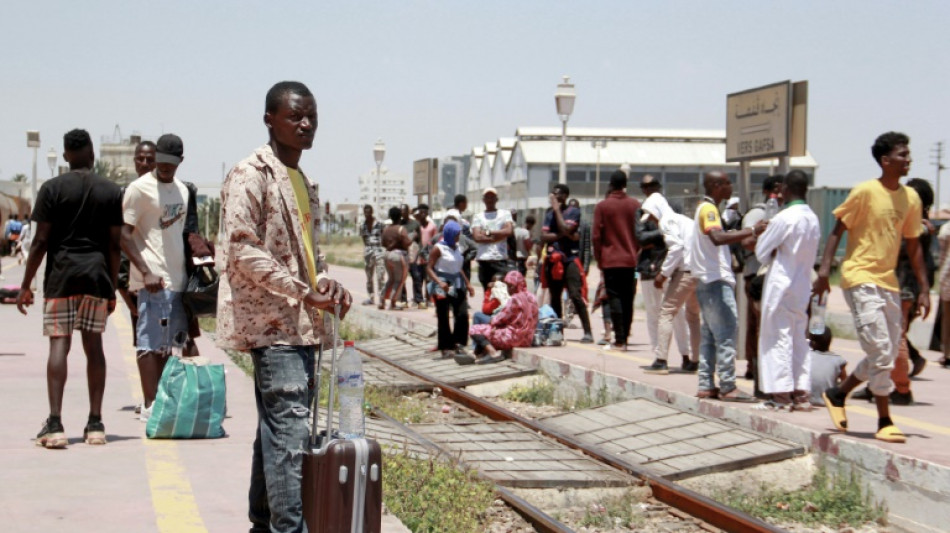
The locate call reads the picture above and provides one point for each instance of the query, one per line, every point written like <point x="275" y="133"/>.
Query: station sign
<point x="766" y="122"/>
<point x="424" y="175"/>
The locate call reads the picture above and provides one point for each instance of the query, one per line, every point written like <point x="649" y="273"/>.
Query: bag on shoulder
<point x="191" y="402"/>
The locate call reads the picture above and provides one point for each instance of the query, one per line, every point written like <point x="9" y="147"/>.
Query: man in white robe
<point x="789" y="246"/>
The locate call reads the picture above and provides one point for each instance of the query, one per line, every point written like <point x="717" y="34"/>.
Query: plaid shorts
<point x="83" y="312"/>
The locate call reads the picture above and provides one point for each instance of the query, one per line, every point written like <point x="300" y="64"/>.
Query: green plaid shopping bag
<point x="190" y="403"/>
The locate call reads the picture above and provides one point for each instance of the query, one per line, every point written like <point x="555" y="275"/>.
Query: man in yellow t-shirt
<point x="878" y="213"/>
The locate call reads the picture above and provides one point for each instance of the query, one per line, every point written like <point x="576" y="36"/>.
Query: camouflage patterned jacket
<point x="262" y="259"/>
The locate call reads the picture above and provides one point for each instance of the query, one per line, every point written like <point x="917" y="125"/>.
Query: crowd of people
<point x="687" y="271"/>
<point x="274" y="288"/>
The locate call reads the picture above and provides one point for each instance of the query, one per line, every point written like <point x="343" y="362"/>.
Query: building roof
<point x="707" y="152"/>
<point x="554" y="133"/>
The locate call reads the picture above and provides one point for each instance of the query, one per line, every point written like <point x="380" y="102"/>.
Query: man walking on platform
<point x="615" y="250"/>
<point x="711" y="263"/>
<point x="563" y="268"/>
<point x="371" y="231"/>
<point x="789" y="246"/>
<point x="877" y="213"/>
<point x="78" y="219"/>
<point x="271" y="290"/>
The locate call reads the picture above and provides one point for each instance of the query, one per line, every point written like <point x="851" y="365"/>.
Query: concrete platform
<point x="913" y="477"/>
<point x="132" y="483"/>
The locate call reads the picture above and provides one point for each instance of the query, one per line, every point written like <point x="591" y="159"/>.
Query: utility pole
<point x="937" y="155"/>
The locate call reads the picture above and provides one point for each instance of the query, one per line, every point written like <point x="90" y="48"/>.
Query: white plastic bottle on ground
<point x="349" y="381"/>
<point x="771" y="207"/>
<point x="816" y="325"/>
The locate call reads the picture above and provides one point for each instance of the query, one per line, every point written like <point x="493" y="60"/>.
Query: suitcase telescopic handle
<point x="315" y="404"/>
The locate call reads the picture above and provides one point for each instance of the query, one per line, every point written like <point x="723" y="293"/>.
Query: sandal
<point x="736" y="395"/>
<point x="838" y="416"/>
<point x="890" y="434"/>
<point x="708" y="394"/>
<point x="464" y="358"/>
<point x="489" y="359"/>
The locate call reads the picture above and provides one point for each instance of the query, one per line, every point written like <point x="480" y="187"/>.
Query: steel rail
<point x="542" y="522"/>
<point x="687" y="500"/>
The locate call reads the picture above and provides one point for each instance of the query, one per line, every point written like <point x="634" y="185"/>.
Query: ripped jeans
<point x="283" y="388"/>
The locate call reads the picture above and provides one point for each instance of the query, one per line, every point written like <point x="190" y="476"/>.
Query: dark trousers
<point x="621" y="287"/>
<point x="488" y="269"/>
<point x="449" y="338"/>
<point x="572" y="281"/>
<point x="418" y="274"/>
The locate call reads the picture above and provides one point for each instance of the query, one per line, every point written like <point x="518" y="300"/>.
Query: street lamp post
<point x="33" y="141"/>
<point x="598" y="145"/>
<point x="564" y="98"/>
<point x="379" y="152"/>
<point x="51" y="158"/>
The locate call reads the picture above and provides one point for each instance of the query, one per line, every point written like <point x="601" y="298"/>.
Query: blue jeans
<point x="717" y="305"/>
<point x="481" y="318"/>
<point x="283" y="388"/>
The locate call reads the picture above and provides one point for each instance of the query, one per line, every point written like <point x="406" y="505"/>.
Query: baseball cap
<point x="169" y="149"/>
<point x="489" y="190"/>
<point x="648" y="180"/>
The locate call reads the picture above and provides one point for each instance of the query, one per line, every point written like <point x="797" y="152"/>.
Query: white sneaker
<point x="146" y="412"/>
<point x="138" y="408"/>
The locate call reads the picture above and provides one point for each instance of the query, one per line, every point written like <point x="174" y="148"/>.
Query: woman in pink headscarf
<point x="512" y="327"/>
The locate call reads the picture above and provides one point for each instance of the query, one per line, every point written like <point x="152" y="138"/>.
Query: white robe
<point x="793" y="235"/>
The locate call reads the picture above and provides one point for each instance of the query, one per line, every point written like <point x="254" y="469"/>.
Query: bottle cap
<point x="348" y="343"/>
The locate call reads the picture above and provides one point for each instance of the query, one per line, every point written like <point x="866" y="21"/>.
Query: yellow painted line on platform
<point x="172" y="497"/>
<point x="612" y="353"/>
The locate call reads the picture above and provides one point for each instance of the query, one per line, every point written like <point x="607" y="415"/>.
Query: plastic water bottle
<point x="349" y="381"/>
<point x="816" y="325"/>
<point x="771" y="207"/>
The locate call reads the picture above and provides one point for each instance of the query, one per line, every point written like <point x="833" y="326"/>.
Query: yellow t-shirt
<point x="306" y="221"/>
<point x="877" y="218"/>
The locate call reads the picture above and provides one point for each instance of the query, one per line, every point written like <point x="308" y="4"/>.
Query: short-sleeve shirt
<point x="709" y="262"/>
<point x="372" y="236"/>
<point x="877" y="218"/>
<point x="494" y="221"/>
<point x="81" y="209"/>
<point x="157" y="211"/>
<point x="572" y="218"/>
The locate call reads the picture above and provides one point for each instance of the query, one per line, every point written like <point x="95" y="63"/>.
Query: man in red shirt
<point x="615" y="249"/>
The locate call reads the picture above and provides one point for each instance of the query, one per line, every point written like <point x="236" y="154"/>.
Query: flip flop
<point x="838" y="416"/>
<point x="489" y="359"/>
<point x="464" y="358"/>
<point x="890" y="434"/>
<point x="737" y="396"/>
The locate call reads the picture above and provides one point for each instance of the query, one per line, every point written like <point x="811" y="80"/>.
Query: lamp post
<point x="564" y="98"/>
<point x="598" y="145"/>
<point x="51" y="158"/>
<point x="379" y="152"/>
<point x="33" y="141"/>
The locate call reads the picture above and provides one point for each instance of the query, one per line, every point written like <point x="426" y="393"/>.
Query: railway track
<point x="687" y="501"/>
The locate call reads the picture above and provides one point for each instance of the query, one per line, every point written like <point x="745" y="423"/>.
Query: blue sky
<point x="433" y="79"/>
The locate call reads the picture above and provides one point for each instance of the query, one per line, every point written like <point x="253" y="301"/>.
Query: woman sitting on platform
<point x="512" y="327"/>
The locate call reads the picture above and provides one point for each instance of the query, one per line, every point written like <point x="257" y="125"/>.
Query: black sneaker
<point x="52" y="436"/>
<point x="902" y="398"/>
<point x="658" y="367"/>
<point x="95" y="432"/>
<point x="691" y="366"/>
<point x="587" y="339"/>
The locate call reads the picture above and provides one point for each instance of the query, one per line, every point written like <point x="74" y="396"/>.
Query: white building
<point x="394" y="189"/>
<point x="524" y="169"/>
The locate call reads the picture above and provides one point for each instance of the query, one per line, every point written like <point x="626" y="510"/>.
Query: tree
<point x="110" y="172"/>
<point x="212" y="205"/>
<point x="19" y="178"/>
